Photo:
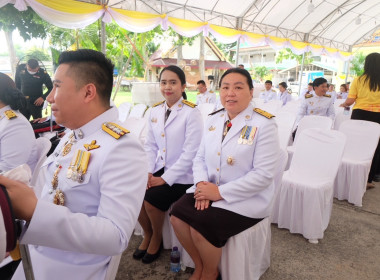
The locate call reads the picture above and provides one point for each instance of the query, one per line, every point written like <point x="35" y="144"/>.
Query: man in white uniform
<point x="308" y="90"/>
<point x="268" y="93"/>
<point x="94" y="181"/>
<point x="204" y="96"/>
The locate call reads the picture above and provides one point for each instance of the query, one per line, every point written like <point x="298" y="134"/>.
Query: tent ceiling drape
<point x="332" y="28"/>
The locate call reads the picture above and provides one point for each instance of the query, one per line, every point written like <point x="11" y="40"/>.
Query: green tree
<point x="357" y="64"/>
<point x="28" y="23"/>
<point x="38" y="53"/>
<point x="261" y="72"/>
<point x="225" y="48"/>
<point x="287" y="53"/>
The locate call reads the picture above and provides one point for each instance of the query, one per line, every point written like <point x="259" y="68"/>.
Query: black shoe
<point x="149" y="258"/>
<point x="138" y="254"/>
<point x="376" y="178"/>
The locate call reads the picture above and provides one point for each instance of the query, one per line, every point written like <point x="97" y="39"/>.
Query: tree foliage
<point x="357" y="64"/>
<point x="261" y="72"/>
<point x="287" y="54"/>
<point x="38" y="53"/>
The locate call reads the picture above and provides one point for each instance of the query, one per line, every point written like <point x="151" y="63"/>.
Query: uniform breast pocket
<point x="73" y="180"/>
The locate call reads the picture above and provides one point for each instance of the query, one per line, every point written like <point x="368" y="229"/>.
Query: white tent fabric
<point x="351" y="180"/>
<point x="306" y="193"/>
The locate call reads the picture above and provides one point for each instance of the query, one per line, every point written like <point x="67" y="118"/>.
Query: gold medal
<point x="67" y="149"/>
<point x="240" y="140"/>
<point x="59" y="198"/>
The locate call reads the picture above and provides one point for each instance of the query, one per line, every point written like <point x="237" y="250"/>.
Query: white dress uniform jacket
<point x="305" y="91"/>
<point x="207" y="97"/>
<point x="317" y="105"/>
<point x="342" y="95"/>
<point x="284" y="97"/>
<point x="244" y="173"/>
<point x="267" y="95"/>
<point x="174" y="144"/>
<point x="17" y="141"/>
<point x="76" y="241"/>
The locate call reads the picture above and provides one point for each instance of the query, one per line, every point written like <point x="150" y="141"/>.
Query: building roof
<point x="209" y="64"/>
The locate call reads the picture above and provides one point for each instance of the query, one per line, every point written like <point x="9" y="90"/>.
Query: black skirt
<point x="215" y="224"/>
<point x="162" y="197"/>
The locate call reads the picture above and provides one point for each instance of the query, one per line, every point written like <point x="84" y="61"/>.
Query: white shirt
<point x="267" y="95"/>
<point x="333" y="95"/>
<point x="206" y="97"/>
<point x="317" y="105"/>
<point x="76" y="241"/>
<point x="246" y="183"/>
<point x="173" y="144"/>
<point x="17" y="141"/>
<point x="284" y="97"/>
<point x="342" y="95"/>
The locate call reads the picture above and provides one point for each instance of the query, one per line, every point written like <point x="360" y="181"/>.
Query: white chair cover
<point x="136" y="126"/>
<point x="257" y="102"/>
<point x="285" y="121"/>
<point x="124" y="109"/>
<point x="305" y="123"/>
<point x="206" y="109"/>
<point x="281" y="163"/>
<point x="138" y="111"/>
<point x="247" y="254"/>
<point x="113" y="266"/>
<point x="306" y="193"/>
<point x="340" y="117"/>
<point x="272" y="106"/>
<point x="43" y="146"/>
<point x="362" y="140"/>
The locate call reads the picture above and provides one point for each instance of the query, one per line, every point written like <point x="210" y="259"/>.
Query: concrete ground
<point x="350" y="249"/>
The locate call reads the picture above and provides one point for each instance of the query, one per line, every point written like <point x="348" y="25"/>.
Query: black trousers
<point x="358" y="114"/>
<point x="31" y="110"/>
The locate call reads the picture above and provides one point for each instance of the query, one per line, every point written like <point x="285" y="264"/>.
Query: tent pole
<point x="347" y="66"/>
<point x="103" y="32"/>
<point x="301" y="74"/>
<point x="237" y="53"/>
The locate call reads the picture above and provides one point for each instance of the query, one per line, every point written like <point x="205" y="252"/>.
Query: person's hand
<point x="202" y="204"/>
<point x="343" y="105"/>
<point x="40" y="120"/>
<point x="39" y="101"/>
<point x="148" y="183"/>
<point x="339" y="97"/>
<point x="22" y="197"/>
<point x="156" y="181"/>
<point x="207" y="190"/>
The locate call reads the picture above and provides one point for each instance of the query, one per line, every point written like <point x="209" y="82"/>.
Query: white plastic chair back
<point x="257" y="102"/>
<point x="317" y="155"/>
<point x="124" y="109"/>
<point x="340" y="117"/>
<point x="272" y="106"/>
<point x="206" y="109"/>
<point x="285" y="122"/>
<point x="147" y="113"/>
<point x="136" y="127"/>
<point x="43" y="146"/>
<point x="291" y="107"/>
<point x="138" y="111"/>
<point x="313" y="122"/>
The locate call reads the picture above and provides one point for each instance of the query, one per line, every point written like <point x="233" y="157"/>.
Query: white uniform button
<point x="164" y="150"/>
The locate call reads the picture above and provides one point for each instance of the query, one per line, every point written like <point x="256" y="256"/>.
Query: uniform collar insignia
<point x="211" y="128"/>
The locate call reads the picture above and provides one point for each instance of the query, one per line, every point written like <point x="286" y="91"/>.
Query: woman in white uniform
<point x="17" y="141"/>
<point x="175" y="132"/>
<point x="233" y="174"/>
<point x="284" y="95"/>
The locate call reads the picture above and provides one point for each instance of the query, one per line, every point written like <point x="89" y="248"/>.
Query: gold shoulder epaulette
<point x="217" y="111"/>
<point x="327" y="95"/>
<point x="158" y="103"/>
<point x="264" y="113"/>
<point x="188" y="103"/>
<point x="308" y="95"/>
<point x="211" y="91"/>
<point x="10" y="114"/>
<point x="114" y="129"/>
<point x="198" y="93"/>
<point x="273" y="90"/>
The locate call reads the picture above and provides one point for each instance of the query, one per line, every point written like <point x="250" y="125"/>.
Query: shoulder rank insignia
<point x="198" y="93"/>
<point x="308" y="95"/>
<point x="91" y="146"/>
<point x="158" y="103"/>
<point x="211" y="91"/>
<point x="273" y="90"/>
<point x="10" y="114"/>
<point x="327" y="95"/>
<point x="114" y="129"/>
<point x="264" y="113"/>
<point x="188" y="103"/>
<point x="217" y="111"/>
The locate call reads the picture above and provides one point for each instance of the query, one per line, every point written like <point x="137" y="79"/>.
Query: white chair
<point x="257" y="102"/>
<point x="124" y="109"/>
<point x="340" y="117"/>
<point x="281" y="163"/>
<point x="306" y="193"/>
<point x="285" y="122"/>
<point x="272" y="106"/>
<point x="136" y="126"/>
<point x="362" y="140"/>
<point x="291" y="107"/>
<point x="305" y="123"/>
<point x="206" y="109"/>
<point x="138" y="111"/>
<point x="43" y="146"/>
<point x="112" y="268"/>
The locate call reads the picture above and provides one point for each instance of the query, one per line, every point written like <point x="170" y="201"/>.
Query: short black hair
<point x="283" y="84"/>
<point x="319" y="81"/>
<point x="90" y="66"/>
<point x="268" y="82"/>
<point x="9" y="94"/>
<point x="241" y="71"/>
<point x="310" y="84"/>
<point x="175" y="69"/>
<point x="32" y="63"/>
<point x="201" y="82"/>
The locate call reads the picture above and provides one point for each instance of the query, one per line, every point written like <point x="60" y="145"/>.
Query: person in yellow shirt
<point x="365" y="93"/>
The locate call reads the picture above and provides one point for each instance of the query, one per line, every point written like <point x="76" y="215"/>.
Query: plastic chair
<point x="285" y="122"/>
<point x="124" y="109"/>
<point x="136" y="126"/>
<point x="306" y="193"/>
<point x="43" y="146"/>
<point x="351" y="180"/>
<point x="340" y="117"/>
<point x="113" y="266"/>
<point x="138" y="111"/>
<point x="272" y="106"/>
<point x="206" y="109"/>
